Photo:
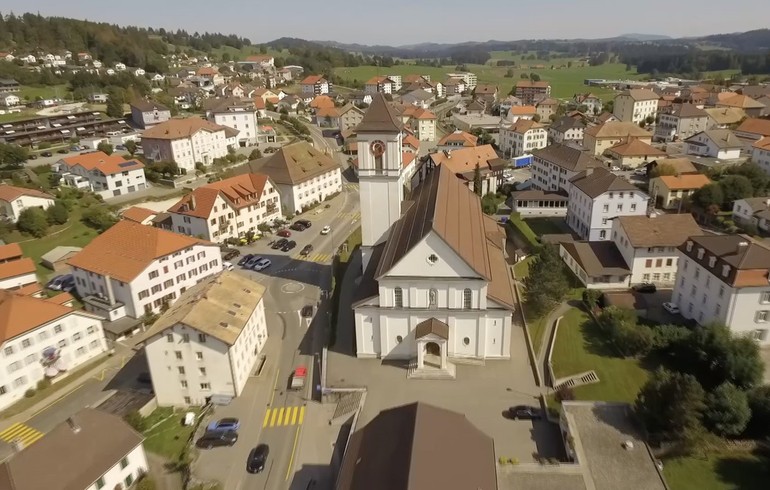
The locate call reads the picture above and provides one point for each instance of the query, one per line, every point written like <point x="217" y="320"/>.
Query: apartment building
<point x="315" y="85"/>
<point x="379" y="84"/>
<point x="636" y="105"/>
<point x="530" y="92"/>
<point x="208" y="342"/>
<point x="421" y="121"/>
<point x="14" y="200"/>
<point x="229" y="208"/>
<point x="566" y="129"/>
<point x="522" y="138"/>
<point x="188" y="141"/>
<point x="554" y="166"/>
<point x="106" y="175"/>
<point x="716" y="143"/>
<point x="760" y="154"/>
<point x="681" y="121"/>
<point x="604" y="136"/>
<point x="592" y="103"/>
<point x="456" y="140"/>
<point x="238" y="114"/>
<point x="147" y="113"/>
<point x="132" y="269"/>
<point x="673" y="191"/>
<point x="462" y="163"/>
<point x="633" y="153"/>
<point x="469" y="79"/>
<point x="724" y="278"/>
<point x="753" y="211"/>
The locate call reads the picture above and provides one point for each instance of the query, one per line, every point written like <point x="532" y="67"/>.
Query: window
<point x="183" y="384"/>
<point x="81" y="351"/>
<point x="156" y="289"/>
<point x="91" y="330"/>
<point x="100" y="483"/>
<point x="63" y="343"/>
<point x="186" y="338"/>
<point x="8" y="350"/>
<point x="762" y="316"/>
<point x="25" y="343"/>
<point x="129" y="480"/>
<point x="645" y="277"/>
<point x="19" y="382"/>
<point x="398" y="298"/>
<point x="169" y="337"/>
<point x="606" y="208"/>
<point x="718" y="310"/>
<point x="202" y="338"/>
<point x="633" y="207"/>
<point x="187" y="400"/>
<point x="153" y="274"/>
<point x="721" y="291"/>
<point x="399" y="339"/>
<point x="602" y="234"/>
<point x="466" y="341"/>
<point x="669" y="262"/>
<point x="144" y="294"/>
<point x="180" y="369"/>
<point x="178" y="354"/>
<point x="620" y="207"/>
<point x="168" y="284"/>
<point x="648" y="263"/>
<point x="467" y="299"/>
<point x="205" y="386"/>
<point x="432" y="259"/>
<point x="765" y="297"/>
<point x="202" y="371"/>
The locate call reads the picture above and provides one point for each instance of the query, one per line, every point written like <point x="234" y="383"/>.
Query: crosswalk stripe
<point x="280" y="416"/>
<point x="267" y="418"/>
<point x="272" y="420"/>
<point x="301" y="414"/>
<point x="18" y="431"/>
<point x="283" y="416"/>
<point x="294" y="415"/>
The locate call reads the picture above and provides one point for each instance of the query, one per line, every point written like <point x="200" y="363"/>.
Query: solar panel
<point x="126" y="164"/>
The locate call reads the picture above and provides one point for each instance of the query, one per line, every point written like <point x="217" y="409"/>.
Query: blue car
<point x="232" y="424"/>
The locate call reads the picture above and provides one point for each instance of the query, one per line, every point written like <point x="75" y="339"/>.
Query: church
<point x="435" y="287"/>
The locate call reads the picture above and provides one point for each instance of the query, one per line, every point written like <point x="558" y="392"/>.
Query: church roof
<point x="380" y="117"/>
<point x="431" y="326"/>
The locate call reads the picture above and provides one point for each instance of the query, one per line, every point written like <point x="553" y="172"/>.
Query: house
<point x="592" y="103"/>
<point x="760" y="154"/>
<point x="465" y="458"/>
<point x="717" y="143"/>
<point x="546" y="107"/>
<point x="554" y="166"/>
<point x="421" y="121"/>
<point x="596" y="197"/>
<point x="216" y="332"/>
<point x="751" y="107"/>
<point x="379" y="84"/>
<point x="420" y="98"/>
<point x="470" y="80"/>
<point x="138" y="72"/>
<point x="462" y="163"/>
<point x="636" y="105"/>
<point x="756" y="92"/>
<point x="596" y="264"/>
<point x="725" y="117"/>
<point x="228" y="208"/>
<point x="529" y="92"/>
<point x="98" y="98"/>
<point x="10" y="252"/>
<point x="9" y="85"/>
<point x="521" y="112"/>
<point x="532" y="203"/>
<point x="315" y="85"/>
<point x="268" y="95"/>
<point x="14" y="200"/>
<point x="261" y="60"/>
<point x="133" y="269"/>
<point x="321" y="102"/>
<point x="724" y="278"/>
<point x="454" y="86"/>
<point x="16" y="271"/>
<point x="522" y="137"/>
<point x="140" y="215"/>
<point x="188" y="141"/>
<point x="240" y="115"/>
<point x="208" y="76"/>
<point x="603" y="136"/>
<point x="487" y="93"/>
<point x="753" y="211"/>
<point x="475" y="108"/>
<point x="42" y="339"/>
<point x="679" y="165"/>
<point x="5" y="56"/>
<point x="9" y="100"/>
<point x="349" y="117"/>
<point x="457" y="139"/>
<point x="672" y="191"/>
<point x="303" y="175"/>
<point x="120" y="67"/>
<point x="681" y="121"/>
<point x="105" y="175"/>
<point x="566" y="129"/>
<point x="633" y="153"/>
<point x="146" y="113"/>
<point x="56" y="259"/>
<point x="753" y="129"/>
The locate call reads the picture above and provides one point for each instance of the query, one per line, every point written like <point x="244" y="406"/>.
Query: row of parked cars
<point x="254" y="262"/>
<point x="224" y="432"/>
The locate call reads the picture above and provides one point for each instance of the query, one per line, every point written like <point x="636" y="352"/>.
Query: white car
<point x="325" y="230"/>
<point x="615" y="168"/>
<point x="262" y="265"/>
<point x="671" y="308"/>
<point x="227" y="266"/>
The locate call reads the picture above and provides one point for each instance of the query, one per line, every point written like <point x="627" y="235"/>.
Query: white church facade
<point x="435" y="284"/>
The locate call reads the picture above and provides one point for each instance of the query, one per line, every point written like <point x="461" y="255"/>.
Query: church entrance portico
<point x="432" y="338"/>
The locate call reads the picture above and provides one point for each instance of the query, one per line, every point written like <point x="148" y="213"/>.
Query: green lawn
<point x="169" y="438"/>
<point x="547" y="226"/>
<point x="720" y="471"/>
<point x="578" y="349"/>
<point x="521" y="269"/>
<point x="44" y="92"/>
<point x="522" y="228"/>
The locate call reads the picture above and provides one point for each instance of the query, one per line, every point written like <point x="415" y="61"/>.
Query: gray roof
<point x="58" y="253"/>
<point x="723" y="138"/>
<point x="566" y="123"/>
<point x="380" y="117"/>
<point x="738" y="252"/>
<point x="688" y="111"/>
<point x="597" y="181"/>
<point x="568" y="157"/>
<point x="145" y="105"/>
<point x="598" y="258"/>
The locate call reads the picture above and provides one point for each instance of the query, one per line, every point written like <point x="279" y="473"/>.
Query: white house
<point x="106" y="175"/>
<point x="681" y="121"/>
<point x="94" y="449"/>
<point x="593" y="103"/>
<point x="379" y="84"/>
<point x="208" y="342"/>
<point x="635" y="105"/>
<point x="596" y="197"/>
<point x="760" y="154"/>
<point x="462" y="163"/>
<point x="554" y="166"/>
<point x="717" y="143"/>
<point x="228" y="208"/>
<point x="315" y="85"/>
<point x="132" y="269"/>
<point x="42" y="338"/>
<point x="754" y="211"/>
<point x="120" y="67"/>
<point x="724" y="278"/>
<point x="303" y="175"/>
<point x="146" y="113"/>
<point x="16" y="271"/>
<point x="522" y="138"/>
<point x="238" y="114"/>
<point x="188" y="141"/>
<point x="14" y="200"/>
<point x="9" y="100"/>
<point x="566" y="129"/>
<point x="421" y="121"/>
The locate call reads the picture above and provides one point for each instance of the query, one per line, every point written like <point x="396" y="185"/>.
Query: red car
<point x="284" y="233"/>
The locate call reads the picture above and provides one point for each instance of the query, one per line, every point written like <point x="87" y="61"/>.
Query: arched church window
<point x="398" y="296"/>
<point x="378" y="150"/>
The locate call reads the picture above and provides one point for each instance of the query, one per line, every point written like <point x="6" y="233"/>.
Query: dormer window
<point x="689" y="246"/>
<point x="725" y="270"/>
<point x="700" y="253"/>
<point x="712" y="261"/>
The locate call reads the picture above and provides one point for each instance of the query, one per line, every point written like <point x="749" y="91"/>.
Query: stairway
<point x="585" y="378"/>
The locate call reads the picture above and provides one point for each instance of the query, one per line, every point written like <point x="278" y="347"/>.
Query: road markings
<point x="301" y="414"/>
<point x="23" y="433"/>
<point x="293" y="451"/>
<point x="267" y="418"/>
<point x="283" y="417"/>
<point x="318" y="258"/>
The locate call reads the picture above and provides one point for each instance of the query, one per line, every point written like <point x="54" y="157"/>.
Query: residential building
<point x="606" y="135"/>
<point x="717" y="143"/>
<point x="9" y="85"/>
<point x="147" y="113"/>
<point x="188" y="141"/>
<point x="678" y="165"/>
<point x="457" y="139"/>
<point x="529" y="92"/>
<point x="93" y="450"/>
<point x="396" y="79"/>
<point x="566" y="129"/>
<point x="596" y="197"/>
<point x="133" y="269"/>
<point x="753" y="211"/>
<point x="723" y="278"/>
<point x="228" y="208"/>
<point x="42" y="339"/>
<point x="554" y="166"/>
<point x="315" y="85"/>
<point x="421" y="98"/>
<point x="673" y="191"/>
<point x="140" y="215"/>
<point x="463" y="162"/>
<point x="724" y="117"/>
<point x="596" y="264"/>
<point x="259" y="60"/>
<point x="636" y="105"/>
<point x="421" y="122"/>
<point x="349" y="117"/>
<point x="760" y="154"/>
<point x="14" y="200"/>
<point x="680" y="122"/>
<point x="9" y="100"/>
<point x="238" y="114"/>
<point x="592" y="103"/>
<point x="521" y="112"/>
<point x="751" y="107"/>
<point x="16" y="271"/>
<point x="470" y="80"/>
<point x="208" y="342"/>
<point x="379" y="84"/>
<point x="531" y="203"/>
<point x="303" y="175"/>
<point x="753" y="129"/>
<point x="487" y="93"/>
<point x="105" y="175"/>
<point x="633" y="153"/>
<point x="522" y="137"/>
<point x="546" y="107"/>
<point x="454" y="86"/>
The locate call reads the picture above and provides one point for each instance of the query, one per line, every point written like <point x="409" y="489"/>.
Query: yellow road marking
<point x="293" y="449"/>
<point x="18" y="431"/>
<point x="267" y="418"/>
<point x="294" y="415"/>
<point x="301" y="414"/>
<point x="275" y="385"/>
<point x="280" y="416"/>
<point x="272" y="420"/>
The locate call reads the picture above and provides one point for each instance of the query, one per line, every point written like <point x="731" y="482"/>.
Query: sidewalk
<point x="316" y="446"/>
<point x="542" y="357"/>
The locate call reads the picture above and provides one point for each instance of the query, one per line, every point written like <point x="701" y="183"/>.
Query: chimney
<point x="742" y="246"/>
<point x="110" y="293"/>
<point x="74" y="427"/>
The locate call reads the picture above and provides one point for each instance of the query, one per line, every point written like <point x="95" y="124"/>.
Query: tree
<point x="225" y="57"/>
<point x="130" y="147"/>
<point x="146" y="483"/>
<point x="509" y="73"/>
<point x="105" y="147"/>
<point x="760" y="181"/>
<point x="33" y="221"/>
<point x="536" y="118"/>
<point x="670" y="404"/>
<point x="13" y="155"/>
<point x="727" y="410"/>
<point x="759" y="403"/>
<point x="662" y="169"/>
<point x="708" y="195"/>
<point x="489" y="203"/>
<point x="115" y="100"/>
<point x="99" y="217"/>
<point x="534" y="77"/>
<point x="255" y="154"/>
<point x="547" y="281"/>
<point x="135" y="420"/>
<point x="735" y="187"/>
<point x="58" y="214"/>
<point x="477" y="180"/>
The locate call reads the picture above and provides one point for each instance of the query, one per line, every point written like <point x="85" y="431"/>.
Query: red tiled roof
<point x="10" y="193"/>
<point x="106" y="164"/>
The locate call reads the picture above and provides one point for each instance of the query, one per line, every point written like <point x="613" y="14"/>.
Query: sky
<point x="399" y="22"/>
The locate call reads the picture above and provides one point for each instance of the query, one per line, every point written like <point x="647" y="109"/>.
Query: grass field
<point x="169" y="437"/>
<point x="721" y="471"/>
<point x="241" y="54"/>
<point x="44" y="92"/>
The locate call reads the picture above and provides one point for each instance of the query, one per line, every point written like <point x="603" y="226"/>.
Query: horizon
<point x="526" y="26"/>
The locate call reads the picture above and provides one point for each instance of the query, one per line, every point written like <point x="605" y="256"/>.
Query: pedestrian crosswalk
<point x="284" y="416"/>
<point x="350" y="187"/>
<point x="355" y="216"/>
<point x="319" y="258"/>
<point x="25" y="434"/>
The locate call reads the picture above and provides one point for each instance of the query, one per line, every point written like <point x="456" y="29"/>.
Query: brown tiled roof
<point x="522" y="110"/>
<point x="239" y="191"/>
<point x="74" y="460"/>
<point x="32" y="289"/>
<point x="198" y="203"/>
<point x="597" y="181"/>
<point x="531" y="84"/>
<point x="523" y="125"/>
<point x="635" y="147"/>
<point x="9" y="193"/>
<point x="467" y="139"/>
<point x="419" y="446"/>
<point x="294" y="163"/>
<point x="762" y="144"/>
<point x="760" y="127"/>
<point x="485" y="89"/>
<point x="666" y="230"/>
<point x="639" y="94"/>
<point x="726" y="115"/>
<point x="322" y="101"/>
<point x="680" y="165"/>
<point x="258" y="58"/>
<point x="327" y="112"/>
<point x="104" y="163"/>
<point x="431" y="326"/>
<point x="145" y="105"/>
<point x="138" y="214"/>
<point x="126" y="249"/>
<point x="380" y="117"/>
<point x="312" y="80"/>
<point x="463" y="161"/>
<point x="748" y="261"/>
<point x="688" y="111"/>
<point x="411" y="140"/>
<point x="15" y="268"/>
<point x="20" y="313"/>
<point x="568" y="157"/>
<point x="617" y="129"/>
<point x="598" y="258"/>
<point x="684" y="181"/>
<point x="10" y="251"/>
<point x="740" y="101"/>
<point x="181" y="128"/>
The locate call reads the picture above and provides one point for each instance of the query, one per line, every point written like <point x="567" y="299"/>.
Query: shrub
<point x="33" y="221"/>
<point x="591" y="297"/>
<point x="58" y="213"/>
<point x="43" y="384"/>
<point x="502" y="460"/>
<point x="99" y="218"/>
<point x="30" y="393"/>
<point x="135" y="420"/>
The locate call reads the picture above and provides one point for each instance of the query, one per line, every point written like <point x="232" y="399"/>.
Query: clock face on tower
<point x="378" y="148"/>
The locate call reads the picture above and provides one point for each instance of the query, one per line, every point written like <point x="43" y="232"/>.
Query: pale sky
<point x="398" y="22"/>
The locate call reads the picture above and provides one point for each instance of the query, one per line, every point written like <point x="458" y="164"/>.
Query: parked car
<point x="229" y="423"/>
<point x="524" y="412"/>
<point x="227" y="266"/>
<point x="325" y="230"/>
<point x="58" y="282"/>
<point x="289" y="245"/>
<point x="645" y="287"/>
<point x="262" y="265"/>
<point x="46" y="154"/>
<point x="245" y="259"/>
<point x="120" y="147"/>
<point x="297" y="227"/>
<point x="306" y="250"/>
<point x="615" y="168"/>
<point x="257" y="458"/>
<point x="304" y="222"/>
<point x="284" y="233"/>
<point x="671" y="308"/>
<point x="75" y="148"/>
<point x="252" y="262"/>
<point x="62" y="151"/>
<point x="230" y="253"/>
<point x="279" y="244"/>
<point x="217" y="438"/>
<point x="33" y="156"/>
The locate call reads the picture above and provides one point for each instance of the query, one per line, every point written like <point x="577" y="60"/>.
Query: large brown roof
<point x="740" y="101"/>
<point x="294" y="163"/>
<point x="16" y="268"/>
<point x="723" y="138"/>
<point x="138" y="214"/>
<point x="72" y="460"/>
<point x="666" y="230"/>
<point x="418" y="447"/>
<point x="760" y="127"/>
<point x="181" y="128"/>
<point x="531" y="84"/>
<point x="748" y="261"/>
<point x="617" y="129"/>
<point x="466" y="139"/>
<point x="431" y="326"/>
<point x="598" y="258"/>
<point x="568" y="157"/>
<point x="635" y="148"/>
<point x="9" y="193"/>
<point x="145" y="105"/>
<point x="20" y="313"/>
<point x="600" y="180"/>
<point x="463" y="161"/>
<point x="726" y="115"/>
<point x="380" y="117"/>
<point x="684" y="181"/>
<point x="126" y="249"/>
<point x="10" y="251"/>
<point x="681" y="165"/>
<point x="688" y="111"/>
<point x="104" y="163"/>
<point x="239" y="191"/>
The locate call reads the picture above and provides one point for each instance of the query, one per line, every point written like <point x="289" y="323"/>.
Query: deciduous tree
<point x="547" y="281"/>
<point x="33" y="221"/>
<point x="671" y="404"/>
<point x="727" y="410"/>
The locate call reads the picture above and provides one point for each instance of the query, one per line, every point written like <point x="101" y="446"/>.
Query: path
<point x="542" y="358"/>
